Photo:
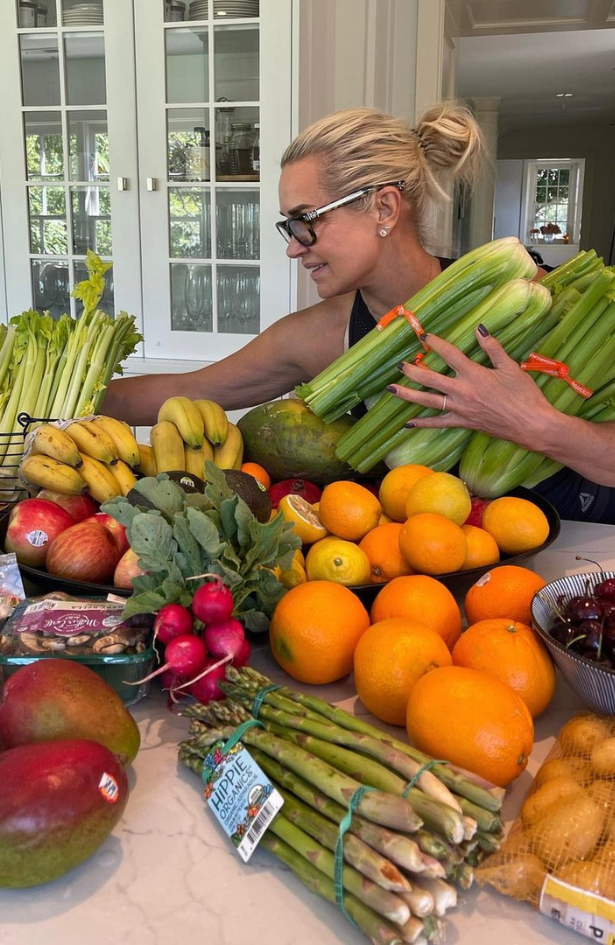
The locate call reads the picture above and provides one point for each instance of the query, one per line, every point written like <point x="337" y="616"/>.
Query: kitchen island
<point x="169" y="876"/>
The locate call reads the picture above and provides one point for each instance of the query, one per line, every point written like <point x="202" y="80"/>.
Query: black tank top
<point x="575" y="498"/>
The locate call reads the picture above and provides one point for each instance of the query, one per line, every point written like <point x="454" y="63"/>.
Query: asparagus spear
<point x="420" y="901"/>
<point x="387" y="904"/>
<point x="487" y="821"/>
<point x="375" y="927"/>
<point x="444" y="896"/>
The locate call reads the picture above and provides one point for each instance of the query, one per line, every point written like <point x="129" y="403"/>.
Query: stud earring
<point x="384" y="231"/>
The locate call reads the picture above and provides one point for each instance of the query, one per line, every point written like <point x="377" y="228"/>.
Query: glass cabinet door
<point x="200" y="164"/>
<point x="62" y="147"/>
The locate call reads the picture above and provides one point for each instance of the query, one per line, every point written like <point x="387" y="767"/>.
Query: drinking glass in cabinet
<point x="174" y="11"/>
<point x="85" y="69"/>
<point x="187" y="65"/>
<point x="26" y="14"/>
<point x="50" y="287"/>
<point x="88" y="142"/>
<point x="238" y="224"/>
<point x="236" y="63"/>
<point x="189" y="223"/>
<point x="44" y="146"/>
<point x="238" y="300"/>
<point x="82" y="12"/>
<point x="107" y="302"/>
<point x="48" y="228"/>
<point x="91" y="215"/>
<point x="191" y="299"/>
<point x="40" y="70"/>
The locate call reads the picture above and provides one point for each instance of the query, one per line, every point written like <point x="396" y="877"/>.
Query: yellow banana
<point x="124" y="476"/>
<point x="92" y="441"/>
<point x="48" y="473"/>
<point x="168" y="446"/>
<point x="186" y="417"/>
<point x="102" y="484"/>
<point x="147" y="460"/>
<point x="194" y="460"/>
<point x="122" y="437"/>
<point x="48" y="440"/>
<point x="215" y="421"/>
<point x="230" y="455"/>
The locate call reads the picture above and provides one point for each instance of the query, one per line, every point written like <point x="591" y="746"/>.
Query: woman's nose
<point x="294" y="249"/>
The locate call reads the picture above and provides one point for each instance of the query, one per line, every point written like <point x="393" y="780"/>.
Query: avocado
<point x="188" y="481"/>
<point x="251" y="491"/>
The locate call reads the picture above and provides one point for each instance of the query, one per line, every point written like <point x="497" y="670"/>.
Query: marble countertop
<point x="169" y="876"/>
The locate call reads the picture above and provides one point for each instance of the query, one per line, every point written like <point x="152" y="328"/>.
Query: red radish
<point x="185" y="655"/>
<point x="171" y="621"/>
<point x="303" y="487"/>
<point x="243" y="657"/>
<point x="206" y="689"/>
<point x="212" y="602"/>
<point x="225" y="638"/>
<point x="476" y="513"/>
<point x="170" y="680"/>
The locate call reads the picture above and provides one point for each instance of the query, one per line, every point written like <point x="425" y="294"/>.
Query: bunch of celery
<point x="367" y="367"/>
<point x="584" y="340"/>
<point x="59" y="369"/>
<point x="405" y="850"/>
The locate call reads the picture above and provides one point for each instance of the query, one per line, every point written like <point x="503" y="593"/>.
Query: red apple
<point x="127" y="568"/>
<point x="84" y="552"/>
<point x="33" y="526"/>
<point x="79" y="507"/>
<point x="476" y="512"/>
<point x="118" y="532"/>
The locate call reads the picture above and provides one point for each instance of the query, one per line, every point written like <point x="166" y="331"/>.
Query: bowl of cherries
<point x="575" y="618"/>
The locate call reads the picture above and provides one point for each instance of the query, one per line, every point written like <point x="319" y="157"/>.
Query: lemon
<point x="300" y="513"/>
<point x="334" y="559"/>
<point x="441" y="494"/>
<point x="292" y="576"/>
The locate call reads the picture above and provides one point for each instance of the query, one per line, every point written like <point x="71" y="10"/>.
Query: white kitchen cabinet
<point x="114" y="136"/>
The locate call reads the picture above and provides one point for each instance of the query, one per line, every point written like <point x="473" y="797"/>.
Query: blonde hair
<point x="362" y="147"/>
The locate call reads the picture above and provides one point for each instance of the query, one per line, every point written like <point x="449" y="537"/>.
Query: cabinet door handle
<point x="152" y="183"/>
<point x="122" y="183"/>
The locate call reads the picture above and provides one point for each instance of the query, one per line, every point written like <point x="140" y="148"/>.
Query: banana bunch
<point x="99" y="456"/>
<point x="190" y="432"/>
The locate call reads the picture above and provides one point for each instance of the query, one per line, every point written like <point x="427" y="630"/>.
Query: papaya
<point x="291" y="442"/>
<point x="58" y="802"/>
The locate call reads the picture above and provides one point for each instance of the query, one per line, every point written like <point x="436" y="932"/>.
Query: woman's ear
<point x="388" y="206"/>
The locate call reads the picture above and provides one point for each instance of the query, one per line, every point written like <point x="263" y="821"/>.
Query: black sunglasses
<point x="300" y="227"/>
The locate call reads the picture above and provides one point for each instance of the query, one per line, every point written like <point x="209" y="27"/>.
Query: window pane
<point x="236" y="63"/>
<point x="44" y="148"/>
<point x="238" y="300"/>
<point x="188" y="144"/>
<point x="91" y="208"/>
<point x="238" y="224"/>
<point x="85" y="69"/>
<point x="187" y="62"/>
<point x="40" y="71"/>
<point x="190" y="222"/>
<point x="50" y="288"/>
<point x="541" y="194"/>
<point x="191" y="300"/>
<point x="88" y="141"/>
<point x="48" y="231"/>
<point x="564" y="176"/>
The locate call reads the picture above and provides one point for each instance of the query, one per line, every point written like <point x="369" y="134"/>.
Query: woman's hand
<point x="502" y="401"/>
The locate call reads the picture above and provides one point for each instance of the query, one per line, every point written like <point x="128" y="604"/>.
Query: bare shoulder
<point x="316" y="335"/>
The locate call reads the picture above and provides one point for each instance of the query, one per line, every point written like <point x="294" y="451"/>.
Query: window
<point x="552" y="196"/>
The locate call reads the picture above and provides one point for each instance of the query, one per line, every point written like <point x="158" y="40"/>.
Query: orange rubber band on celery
<point x="538" y="362"/>
<point x="410" y="317"/>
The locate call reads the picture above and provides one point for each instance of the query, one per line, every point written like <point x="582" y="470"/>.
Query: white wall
<point x="508" y="191"/>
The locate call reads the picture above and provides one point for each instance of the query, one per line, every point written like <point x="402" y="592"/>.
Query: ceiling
<point x="526" y="51"/>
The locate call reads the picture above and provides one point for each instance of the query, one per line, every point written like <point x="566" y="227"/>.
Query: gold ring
<point x="444" y="398"/>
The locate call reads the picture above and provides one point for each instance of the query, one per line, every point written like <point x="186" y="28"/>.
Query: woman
<point x="354" y="191"/>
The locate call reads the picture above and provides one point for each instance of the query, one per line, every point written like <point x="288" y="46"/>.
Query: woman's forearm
<point x="586" y="447"/>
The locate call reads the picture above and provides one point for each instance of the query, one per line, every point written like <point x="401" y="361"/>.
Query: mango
<point x="57" y="698"/>
<point x="58" y="803"/>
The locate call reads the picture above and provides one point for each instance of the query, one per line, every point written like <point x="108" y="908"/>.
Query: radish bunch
<point x="195" y="664"/>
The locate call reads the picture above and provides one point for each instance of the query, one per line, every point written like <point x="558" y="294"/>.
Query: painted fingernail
<point x="392" y="388"/>
<point x="482" y="331"/>
<point x="401" y="365"/>
<point x="423" y="336"/>
<point x="409" y="425"/>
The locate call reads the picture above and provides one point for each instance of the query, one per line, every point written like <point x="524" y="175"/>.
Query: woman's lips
<point x="316" y="270"/>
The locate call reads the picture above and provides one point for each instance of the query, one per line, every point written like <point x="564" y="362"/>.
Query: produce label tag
<point x="584" y="912"/>
<point x="65" y="618"/>
<point x="240" y="794"/>
<point x="109" y="788"/>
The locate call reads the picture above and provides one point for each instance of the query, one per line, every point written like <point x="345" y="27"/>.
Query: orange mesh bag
<point x="560" y="852"/>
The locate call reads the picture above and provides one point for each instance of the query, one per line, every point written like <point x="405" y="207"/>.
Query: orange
<point x="432" y="544"/>
<point x="395" y="487"/>
<point x="516" y="524"/>
<point x="390" y="657"/>
<point x="419" y="596"/>
<point x="381" y="546"/>
<point x="505" y="591"/>
<point x="473" y="720"/>
<point x="334" y="559"/>
<point x="315" y="629"/>
<point x="441" y="493"/>
<point x="348" y="510"/>
<point x="482" y="549"/>
<point x="300" y="513"/>
<point x="512" y="652"/>
<point x="259" y="473"/>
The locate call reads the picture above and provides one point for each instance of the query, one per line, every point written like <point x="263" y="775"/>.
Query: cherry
<point x="584" y="608"/>
<point x="605" y="590"/>
<point x="563" y="632"/>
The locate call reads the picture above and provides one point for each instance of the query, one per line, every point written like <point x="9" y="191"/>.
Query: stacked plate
<point x="198" y="10"/>
<point x="84" y="14"/>
<point x="236" y="8"/>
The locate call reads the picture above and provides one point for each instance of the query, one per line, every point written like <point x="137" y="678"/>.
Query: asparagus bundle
<point x="410" y="840"/>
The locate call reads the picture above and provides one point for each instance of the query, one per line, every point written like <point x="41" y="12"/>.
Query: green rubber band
<point x="426" y="767"/>
<point x="260" y="695"/>
<point x="226" y="747"/>
<point x="338" y="879"/>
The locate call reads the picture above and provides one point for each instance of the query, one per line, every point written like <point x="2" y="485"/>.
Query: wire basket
<point x="12" y="490"/>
